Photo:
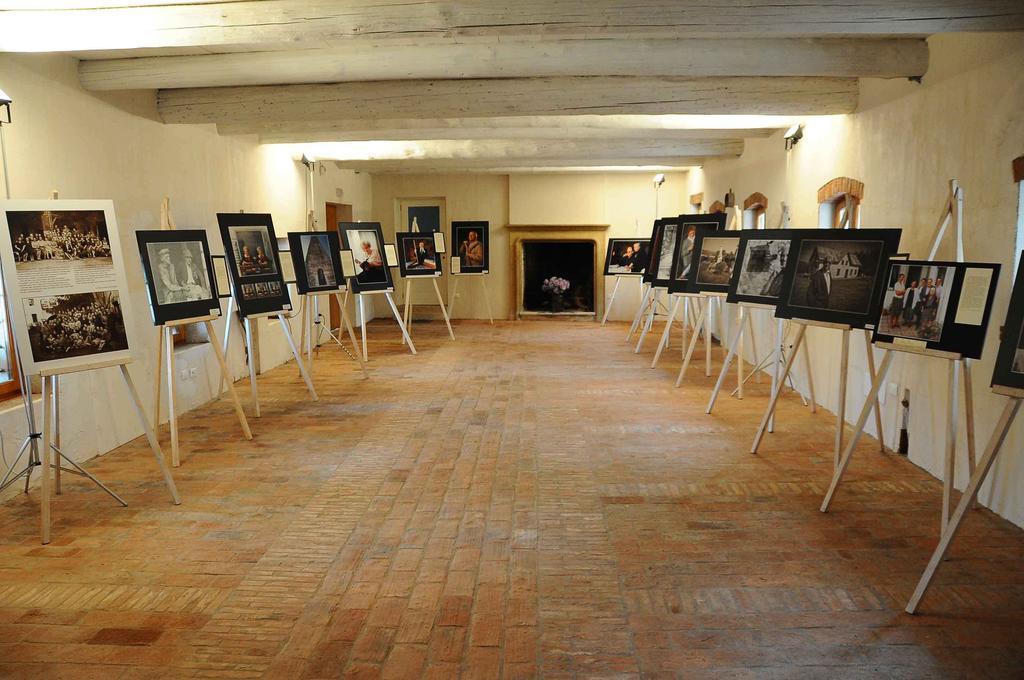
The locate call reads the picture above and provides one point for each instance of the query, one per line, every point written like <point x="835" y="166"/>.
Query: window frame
<point x="755" y="211"/>
<point x="839" y="203"/>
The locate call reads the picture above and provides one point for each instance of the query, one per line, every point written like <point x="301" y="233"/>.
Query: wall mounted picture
<point x="316" y="257"/>
<point x="366" y="241"/>
<point x="760" y="265"/>
<point x="64" y="275"/>
<point x="627" y="256"/>
<point x="712" y="262"/>
<point x="250" y="248"/>
<point x="939" y="305"/>
<point x="683" y="255"/>
<point x="179" y="274"/>
<point x="471" y="246"/>
<point x="417" y="255"/>
<point x="837" y="277"/>
<point x="1009" y="370"/>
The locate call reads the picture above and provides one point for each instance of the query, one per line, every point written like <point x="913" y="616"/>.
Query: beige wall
<point x="964" y="121"/>
<point x="622" y="200"/>
<point x="113" y="147"/>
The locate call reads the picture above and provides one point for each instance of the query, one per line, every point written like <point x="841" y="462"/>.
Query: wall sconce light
<point x="307" y="161"/>
<point x="793" y="135"/>
<point x="659" y="179"/>
<point x="5" y="103"/>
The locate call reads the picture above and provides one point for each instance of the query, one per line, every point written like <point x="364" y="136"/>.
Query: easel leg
<point x="810" y="376"/>
<point x="966" y="501"/>
<point x="709" y="320"/>
<point x="776" y="366"/>
<point x="342" y="305"/>
<point x="608" y="304"/>
<point x="298" y="356"/>
<point x="871" y="374"/>
<point x="444" y="312"/>
<point x="408" y="307"/>
<point x="639" y="312"/>
<point x="969" y="413"/>
<point x="304" y="316"/>
<point x="952" y="415"/>
<point x="253" y="388"/>
<point x="222" y="362"/>
<point x="398" y="318"/>
<point x="44" y="485"/>
<point x="737" y="342"/>
<point x="455" y="296"/>
<point x="753" y="342"/>
<point x="697" y="326"/>
<point x="362" y="323"/>
<point x="653" y="308"/>
<point x="770" y="411"/>
<point x="159" y="379"/>
<point x="862" y="420"/>
<point x="56" y="435"/>
<point x="228" y="319"/>
<point x="844" y="370"/>
<point x="172" y="414"/>
<point x="153" y="443"/>
<point x="487" y="298"/>
<point x="664" y="336"/>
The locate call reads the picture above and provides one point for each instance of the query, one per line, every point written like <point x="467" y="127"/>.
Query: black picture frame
<point x="258" y="283"/>
<point x="663" y="251"/>
<point x="634" y="264"/>
<point x="316" y="254"/>
<point x="372" y="276"/>
<point x="855" y="303"/>
<point x="1009" y="368"/>
<point x="461" y="248"/>
<point x="191" y="291"/>
<point x="932" y="319"/>
<point x="656" y="231"/>
<point x="417" y="254"/>
<point x="712" y="263"/>
<point x="689" y="224"/>
<point x="761" y="265"/>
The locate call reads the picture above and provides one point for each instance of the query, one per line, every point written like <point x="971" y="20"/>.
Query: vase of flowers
<point x="556" y="287"/>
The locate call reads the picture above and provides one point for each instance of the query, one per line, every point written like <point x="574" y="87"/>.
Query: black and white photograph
<point x="717" y="259"/>
<point x="838" y="277"/>
<point x="760" y="266"/>
<point x="250" y="247"/>
<point x="75" y="236"/>
<point x="470" y="241"/>
<point x="915" y="300"/>
<point x="316" y="261"/>
<point x="627" y="256"/>
<point x="76" y="325"/>
<point x="683" y="256"/>
<point x="179" y="274"/>
<point x="253" y="253"/>
<point x="937" y="305"/>
<point x="651" y="270"/>
<point x="417" y="255"/>
<point x="366" y="241"/>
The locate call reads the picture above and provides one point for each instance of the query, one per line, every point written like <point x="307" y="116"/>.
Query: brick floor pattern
<point x="529" y="501"/>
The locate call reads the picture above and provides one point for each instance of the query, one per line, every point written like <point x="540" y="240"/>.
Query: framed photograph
<point x="682" y="257"/>
<point x="938" y="305"/>
<point x="1009" y="370"/>
<point x="179" y="274"/>
<point x="417" y="254"/>
<point x="64" y="274"/>
<point x="250" y="248"/>
<point x="316" y="257"/>
<point x="652" y="265"/>
<point x="760" y="265"/>
<point x="663" y="249"/>
<point x="712" y="262"/>
<point x="837" y="275"/>
<point x="470" y="241"/>
<point x="366" y="241"/>
<point x="627" y="256"/>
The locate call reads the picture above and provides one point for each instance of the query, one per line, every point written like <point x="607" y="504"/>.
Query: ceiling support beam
<point x="434" y="59"/>
<point x="82" y="25"/>
<point x="510" y="97"/>
<point x="519" y="164"/>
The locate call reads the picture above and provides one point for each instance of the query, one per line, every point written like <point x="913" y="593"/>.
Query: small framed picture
<point x="470" y="241"/>
<point x="417" y="254"/>
<point x="179" y="274"/>
<point x="627" y="256"/>
<point x="760" y="264"/>
<point x="254" y="262"/>
<point x="711" y="263"/>
<point x="366" y="242"/>
<point x="316" y="259"/>
<point x="1009" y="370"/>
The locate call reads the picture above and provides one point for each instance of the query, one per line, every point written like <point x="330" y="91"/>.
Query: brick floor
<point x="531" y="500"/>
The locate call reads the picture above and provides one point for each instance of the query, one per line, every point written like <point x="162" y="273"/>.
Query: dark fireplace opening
<point x="572" y="261"/>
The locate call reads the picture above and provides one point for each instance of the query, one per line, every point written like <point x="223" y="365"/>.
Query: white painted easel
<point x="455" y="293"/>
<point x="952" y="211"/>
<point x="615" y="289"/>
<point x="165" y="345"/>
<point x="678" y="299"/>
<point x="437" y="291"/>
<point x="346" y="324"/>
<point x="361" y="297"/>
<point x="700" y="325"/>
<point x="970" y="495"/>
<point x="744" y="327"/>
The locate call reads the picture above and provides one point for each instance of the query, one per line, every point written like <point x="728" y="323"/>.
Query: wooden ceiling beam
<point x="81" y="25"/>
<point x="444" y="59"/>
<point x="509" y="97"/>
<point x="521" y="164"/>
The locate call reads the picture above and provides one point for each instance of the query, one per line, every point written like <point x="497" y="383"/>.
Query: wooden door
<point x="337" y="212"/>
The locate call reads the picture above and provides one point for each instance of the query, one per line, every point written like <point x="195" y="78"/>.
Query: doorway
<point x="337" y="212"/>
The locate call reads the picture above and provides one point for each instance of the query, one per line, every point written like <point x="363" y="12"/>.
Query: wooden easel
<point x="455" y="293"/>
<point x="165" y="344"/>
<point x="970" y="495"/>
<point x="437" y="291"/>
<point x="615" y="289"/>
<point x="653" y="301"/>
<point x="700" y="325"/>
<point x="678" y="299"/>
<point x="744" y="327"/>
<point x="346" y="324"/>
<point x="361" y="297"/>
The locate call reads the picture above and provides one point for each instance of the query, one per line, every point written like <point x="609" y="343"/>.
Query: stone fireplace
<point x="570" y="252"/>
